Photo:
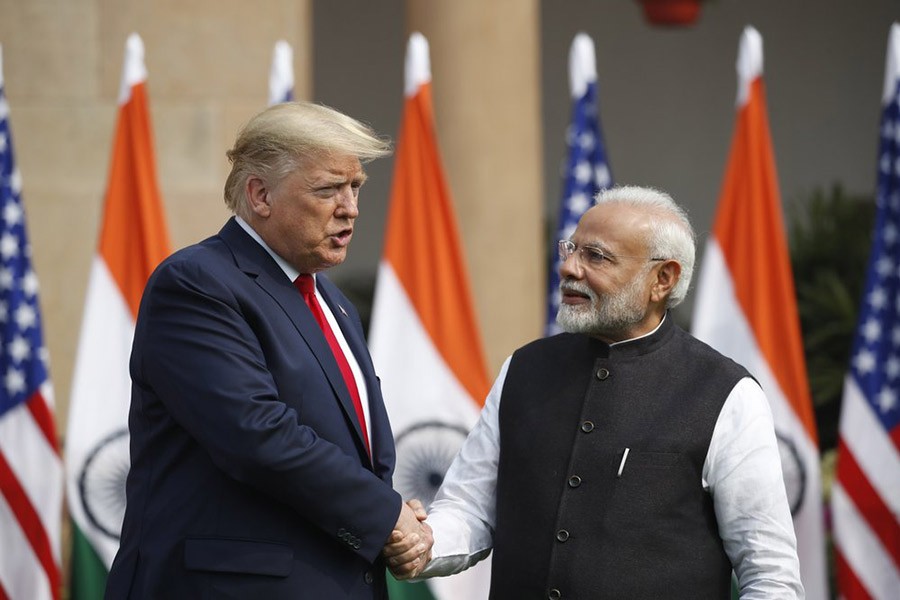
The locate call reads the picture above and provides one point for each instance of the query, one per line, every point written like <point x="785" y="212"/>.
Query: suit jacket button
<point x="554" y="594"/>
<point x="602" y="374"/>
<point x="574" y="481"/>
<point x="562" y="535"/>
<point x="587" y="427"/>
<point x="368" y="577"/>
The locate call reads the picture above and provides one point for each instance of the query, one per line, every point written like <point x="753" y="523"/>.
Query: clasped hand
<point x="408" y="548"/>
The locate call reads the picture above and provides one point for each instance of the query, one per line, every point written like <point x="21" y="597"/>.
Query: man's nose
<point x="347" y="203"/>
<point x="571" y="267"/>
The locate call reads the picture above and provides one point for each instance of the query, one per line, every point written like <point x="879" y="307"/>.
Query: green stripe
<point x="88" y="579"/>
<point x="401" y="590"/>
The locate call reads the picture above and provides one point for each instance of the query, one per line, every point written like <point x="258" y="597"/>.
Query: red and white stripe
<point x="31" y="476"/>
<point x="865" y="502"/>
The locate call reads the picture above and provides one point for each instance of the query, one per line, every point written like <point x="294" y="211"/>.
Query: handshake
<point x="408" y="548"/>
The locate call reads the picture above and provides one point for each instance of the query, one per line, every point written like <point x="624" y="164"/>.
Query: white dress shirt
<point x="742" y="473"/>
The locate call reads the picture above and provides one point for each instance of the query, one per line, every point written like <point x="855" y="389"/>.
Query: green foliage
<point x="830" y="239"/>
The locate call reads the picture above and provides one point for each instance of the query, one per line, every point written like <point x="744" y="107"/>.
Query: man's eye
<point x="593" y="255"/>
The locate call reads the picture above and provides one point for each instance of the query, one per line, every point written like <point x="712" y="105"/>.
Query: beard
<point x="606" y="315"/>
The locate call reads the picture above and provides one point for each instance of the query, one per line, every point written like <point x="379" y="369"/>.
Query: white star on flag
<point x="19" y="349"/>
<point x="9" y="246"/>
<point x="25" y="317"/>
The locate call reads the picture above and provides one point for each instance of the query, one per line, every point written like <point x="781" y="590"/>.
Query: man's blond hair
<point x="276" y="141"/>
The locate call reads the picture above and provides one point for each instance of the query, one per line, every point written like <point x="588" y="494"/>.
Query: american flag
<point x="30" y="466"/>
<point x="587" y="171"/>
<point x="281" y="74"/>
<point x="866" y="493"/>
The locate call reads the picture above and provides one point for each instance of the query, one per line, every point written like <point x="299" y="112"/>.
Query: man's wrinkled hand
<point x="408" y="548"/>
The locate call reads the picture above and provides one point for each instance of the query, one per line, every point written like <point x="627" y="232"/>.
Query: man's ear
<point x="256" y="195"/>
<point x="667" y="275"/>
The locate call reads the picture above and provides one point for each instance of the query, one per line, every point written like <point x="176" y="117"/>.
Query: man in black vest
<point x="624" y="458"/>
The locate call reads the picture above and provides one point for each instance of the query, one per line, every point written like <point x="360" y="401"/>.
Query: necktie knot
<point x="306" y="284"/>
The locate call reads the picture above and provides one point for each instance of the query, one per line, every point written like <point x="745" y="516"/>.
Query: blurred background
<point x="501" y="101"/>
<point x="502" y="106"/>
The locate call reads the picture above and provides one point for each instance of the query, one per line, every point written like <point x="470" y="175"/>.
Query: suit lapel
<point x="379" y="426"/>
<point x="256" y="262"/>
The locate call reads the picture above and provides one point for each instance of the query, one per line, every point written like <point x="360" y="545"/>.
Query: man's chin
<point x="333" y="258"/>
<point x="575" y="320"/>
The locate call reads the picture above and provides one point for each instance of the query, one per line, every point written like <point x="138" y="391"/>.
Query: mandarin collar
<point x="638" y="346"/>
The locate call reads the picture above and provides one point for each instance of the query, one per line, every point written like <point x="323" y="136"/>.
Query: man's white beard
<point x="604" y="315"/>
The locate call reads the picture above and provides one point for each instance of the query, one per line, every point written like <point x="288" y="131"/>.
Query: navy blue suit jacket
<point x="249" y="475"/>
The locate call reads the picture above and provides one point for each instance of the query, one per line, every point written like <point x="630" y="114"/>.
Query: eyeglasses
<point x="592" y="256"/>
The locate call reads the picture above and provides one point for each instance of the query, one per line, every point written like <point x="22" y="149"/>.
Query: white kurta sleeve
<point x="464" y="510"/>
<point x="743" y="474"/>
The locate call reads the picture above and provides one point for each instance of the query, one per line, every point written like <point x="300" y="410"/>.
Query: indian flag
<point x="747" y="309"/>
<point x="133" y="240"/>
<point x="424" y="337"/>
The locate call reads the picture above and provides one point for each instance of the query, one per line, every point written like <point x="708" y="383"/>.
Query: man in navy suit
<point x="261" y="453"/>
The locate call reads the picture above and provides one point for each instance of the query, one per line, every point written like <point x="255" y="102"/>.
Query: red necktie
<point x="307" y="287"/>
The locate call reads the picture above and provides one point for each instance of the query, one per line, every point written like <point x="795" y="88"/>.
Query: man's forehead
<point x="610" y="225"/>
<point x="333" y="167"/>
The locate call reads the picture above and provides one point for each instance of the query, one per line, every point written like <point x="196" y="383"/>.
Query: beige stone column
<point x="485" y="62"/>
<point x="208" y="66"/>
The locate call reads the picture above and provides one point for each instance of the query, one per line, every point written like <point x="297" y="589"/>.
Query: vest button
<point x="574" y="481"/>
<point x="554" y="595"/>
<point x="369" y="577"/>
<point x="602" y="374"/>
<point x="562" y="535"/>
<point x="587" y="427"/>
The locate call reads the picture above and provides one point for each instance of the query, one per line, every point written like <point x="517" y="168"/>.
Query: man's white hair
<point x="671" y="234"/>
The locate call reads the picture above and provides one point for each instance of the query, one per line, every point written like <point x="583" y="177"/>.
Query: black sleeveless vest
<point x="575" y="520"/>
